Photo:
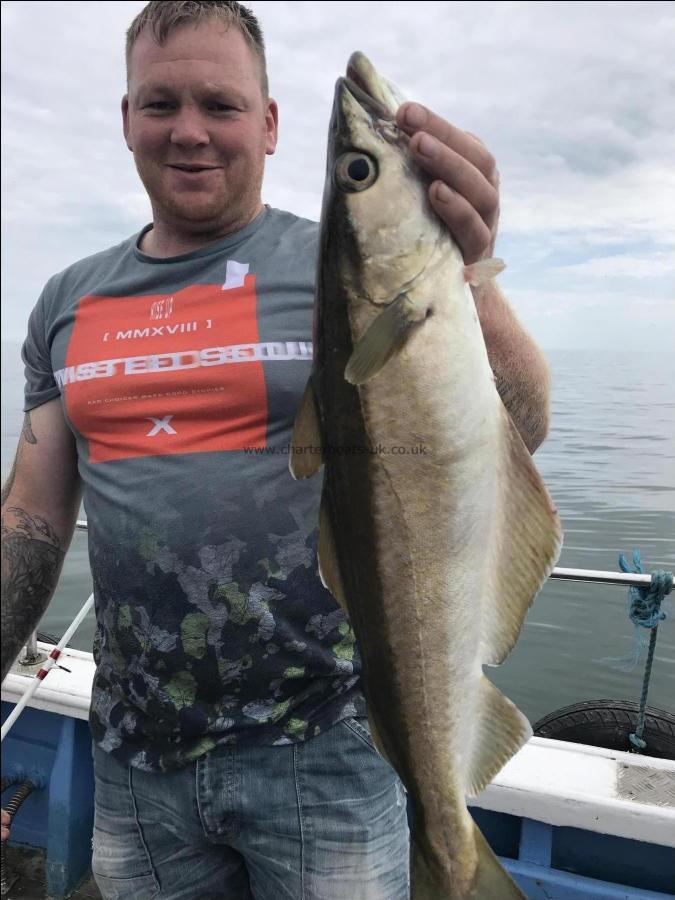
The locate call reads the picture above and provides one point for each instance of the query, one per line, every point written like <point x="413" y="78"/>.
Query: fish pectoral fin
<point x="329" y="568"/>
<point x="483" y="270"/>
<point x="384" y="337"/>
<point x="306" y="457"/>
<point x="524" y="544"/>
<point x="500" y="730"/>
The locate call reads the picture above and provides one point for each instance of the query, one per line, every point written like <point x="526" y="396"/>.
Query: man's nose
<point x="189" y="129"/>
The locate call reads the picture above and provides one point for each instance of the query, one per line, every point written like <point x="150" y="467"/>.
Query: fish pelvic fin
<point x="306" y="456"/>
<point x="329" y="567"/>
<point x="483" y="270"/>
<point x="383" y="338"/>
<point x="500" y="730"/>
<point x="524" y="546"/>
<point x="492" y="881"/>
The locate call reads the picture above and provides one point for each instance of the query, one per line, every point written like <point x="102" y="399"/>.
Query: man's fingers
<point x="413" y="117"/>
<point x="466" y="226"/>
<point x="466" y="192"/>
<point x="458" y="173"/>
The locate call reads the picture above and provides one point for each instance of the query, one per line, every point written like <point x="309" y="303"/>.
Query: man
<point x="232" y="756"/>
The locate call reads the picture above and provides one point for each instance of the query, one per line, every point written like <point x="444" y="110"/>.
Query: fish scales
<point x="412" y="543"/>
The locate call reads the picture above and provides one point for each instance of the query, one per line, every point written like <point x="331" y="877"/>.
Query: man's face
<point x="199" y="128"/>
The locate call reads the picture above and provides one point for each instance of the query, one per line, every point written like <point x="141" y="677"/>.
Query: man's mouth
<point x="184" y="167"/>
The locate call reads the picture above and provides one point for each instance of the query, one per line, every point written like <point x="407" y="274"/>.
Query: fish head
<point x="376" y="209"/>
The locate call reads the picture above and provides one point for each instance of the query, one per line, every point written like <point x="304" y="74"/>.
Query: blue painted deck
<point x="550" y="863"/>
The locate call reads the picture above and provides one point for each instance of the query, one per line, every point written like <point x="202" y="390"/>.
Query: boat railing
<point x="31" y="655"/>
<point x="592" y="576"/>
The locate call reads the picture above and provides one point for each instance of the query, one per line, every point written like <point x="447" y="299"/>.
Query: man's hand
<point x="5" y="825"/>
<point x="465" y="193"/>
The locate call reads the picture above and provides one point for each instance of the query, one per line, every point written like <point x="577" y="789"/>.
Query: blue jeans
<point x="319" y="820"/>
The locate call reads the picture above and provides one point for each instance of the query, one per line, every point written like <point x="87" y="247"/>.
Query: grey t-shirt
<point x="180" y="379"/>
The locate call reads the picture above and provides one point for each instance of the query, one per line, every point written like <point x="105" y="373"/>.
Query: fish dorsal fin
<point x="524" y="547"/>
<point x="329" y="568"/>
<point x="329" y="572"/>
<point x="384" y="337"/>
<point x="306" y="457"/>
<point x="499" y="731"/>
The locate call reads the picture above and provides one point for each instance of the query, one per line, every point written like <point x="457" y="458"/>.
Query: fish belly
<point x="432" y="514"/>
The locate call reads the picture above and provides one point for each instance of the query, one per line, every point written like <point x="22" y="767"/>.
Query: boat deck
<point x="567" y="820"/>
<point x="29" y="866"/>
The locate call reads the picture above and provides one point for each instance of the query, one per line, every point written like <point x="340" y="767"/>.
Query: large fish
<point x="436" y="530"/>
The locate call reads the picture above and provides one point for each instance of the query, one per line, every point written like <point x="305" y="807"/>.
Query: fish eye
<point x="355" y="171"/>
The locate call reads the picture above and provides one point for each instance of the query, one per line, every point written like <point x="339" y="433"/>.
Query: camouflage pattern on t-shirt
<point x="180" y="379"/>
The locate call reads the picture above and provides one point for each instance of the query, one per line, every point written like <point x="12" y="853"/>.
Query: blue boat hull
<point x="548" y="862"/>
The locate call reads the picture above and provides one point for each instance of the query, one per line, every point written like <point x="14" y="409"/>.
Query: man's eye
<point x="220" y="107"/>
<point x="159" y="105"/>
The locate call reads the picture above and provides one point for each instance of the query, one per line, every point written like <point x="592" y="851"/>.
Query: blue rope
<point x="645" y="612"/>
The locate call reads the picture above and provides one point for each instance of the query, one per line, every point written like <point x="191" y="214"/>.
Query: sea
<point x="609" y="464"/>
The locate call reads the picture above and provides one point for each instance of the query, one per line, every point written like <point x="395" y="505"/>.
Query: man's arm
<point x="39" y="508"/>
<point x="465" y="195"/>
<point x="521" y="372"/>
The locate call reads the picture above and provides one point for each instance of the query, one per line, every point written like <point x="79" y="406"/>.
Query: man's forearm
<point x="32" y="556"/>
<point x="521" y="372"/>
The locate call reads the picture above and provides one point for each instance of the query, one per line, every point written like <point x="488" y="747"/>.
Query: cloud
<point x="622" y="266"/>
<point x="574" y="100"/>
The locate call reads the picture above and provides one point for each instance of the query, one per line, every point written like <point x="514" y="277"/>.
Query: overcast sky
<point x="575" y="100"/>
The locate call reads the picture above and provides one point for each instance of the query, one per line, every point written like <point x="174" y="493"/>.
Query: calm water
<point x="609" y="463"/>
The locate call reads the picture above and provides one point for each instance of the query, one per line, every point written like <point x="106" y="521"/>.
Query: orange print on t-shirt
<point x="161" y="374"/>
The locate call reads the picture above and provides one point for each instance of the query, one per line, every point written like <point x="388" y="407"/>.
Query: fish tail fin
<point x="492" y="881"/>
<point x="489" y="880"/>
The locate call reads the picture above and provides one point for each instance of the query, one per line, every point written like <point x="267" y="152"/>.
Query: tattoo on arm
<point x="527" y="404"/>
<point x="7" y="487"/>
<point x="27" y="430"/>
<point x="31" y="562"/>
<point x="29" y="437"/>
<point x="521" y="372"/>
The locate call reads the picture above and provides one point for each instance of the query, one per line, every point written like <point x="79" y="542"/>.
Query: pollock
<point x="436" y="530"/>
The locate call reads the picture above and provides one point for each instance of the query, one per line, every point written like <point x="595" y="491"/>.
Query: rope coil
<point x="645" y="612"/>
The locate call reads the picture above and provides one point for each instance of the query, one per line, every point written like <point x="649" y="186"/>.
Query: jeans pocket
<point x="361" y="729"/>
<point x="141" y="887"/>
<point x="121" y="863"/>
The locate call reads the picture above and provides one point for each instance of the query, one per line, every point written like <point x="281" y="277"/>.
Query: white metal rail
<point x="588" y="575"/>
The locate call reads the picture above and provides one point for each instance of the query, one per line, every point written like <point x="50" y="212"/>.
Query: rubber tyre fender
<point x="607" y="723"/>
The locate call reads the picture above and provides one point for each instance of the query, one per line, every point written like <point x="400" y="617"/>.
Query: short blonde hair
<point x="164" y="16"/>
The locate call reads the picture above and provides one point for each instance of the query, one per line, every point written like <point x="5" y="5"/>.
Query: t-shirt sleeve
<point x="40" y="386"/>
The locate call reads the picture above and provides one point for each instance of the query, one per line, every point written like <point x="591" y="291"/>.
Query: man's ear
<point x="272" y="124"/>
<point x="125" y="120"/>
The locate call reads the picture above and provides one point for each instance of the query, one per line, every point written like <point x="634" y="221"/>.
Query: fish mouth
<point x="366" y="86"/>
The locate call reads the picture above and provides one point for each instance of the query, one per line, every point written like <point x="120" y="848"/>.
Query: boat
<point x="569" y="820"/>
